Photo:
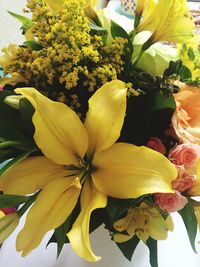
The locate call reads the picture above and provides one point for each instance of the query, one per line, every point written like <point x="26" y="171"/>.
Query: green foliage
<point x="190" y="221"/>
<point x="26" y="22"/>
<point x="59" y="236"/>
<point x="33" y="45"/>
<point x="13" y="162"/>
<point x="98" y="29"/>
<point x="10" y="201"/>
<point x="152" y="245"/>
<point x="128" y="248"/>
<point x="161" y="109"/>
<point x="11" y="125"/>
<point x="16" y="136"/>
<point x="117" y="207"/>
<point x="118" y="31"/>
<point x="178" y="70"/>
<point x="26" y="113"/>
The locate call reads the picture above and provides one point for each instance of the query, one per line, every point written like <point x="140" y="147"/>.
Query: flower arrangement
<point x="100" y="125"/>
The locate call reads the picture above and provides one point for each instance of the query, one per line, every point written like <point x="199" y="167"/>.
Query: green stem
<point x="145" y="46"/>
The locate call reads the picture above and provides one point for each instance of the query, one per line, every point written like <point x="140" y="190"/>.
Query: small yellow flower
<point x="8" y="223"/>
<point x="81" y="160"/>
<point x="9" y="54"/>
<point x="144" y="221"/>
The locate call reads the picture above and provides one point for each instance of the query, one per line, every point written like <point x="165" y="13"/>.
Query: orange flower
<point x="186" y="119"/>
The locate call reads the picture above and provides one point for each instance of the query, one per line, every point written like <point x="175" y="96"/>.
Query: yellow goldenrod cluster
<point x="65" y="53"/>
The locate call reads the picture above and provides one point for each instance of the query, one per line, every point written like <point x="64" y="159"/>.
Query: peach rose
<point x="186" y="118"/>
<point x="183" y="182"/>
<point x="170" y="202"/>
<point x="156" y="144"/>
<point x="184" y="154"/>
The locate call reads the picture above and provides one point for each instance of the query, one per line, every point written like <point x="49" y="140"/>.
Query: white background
<point x="173" y="252"/>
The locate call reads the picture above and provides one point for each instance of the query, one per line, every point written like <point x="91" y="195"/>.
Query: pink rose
<point x="183" y="182"/>
<point x="170" y="202"/>
<point x="156" y="144"/>
<point x="184" y="154"/>
<point x="186" y="118"/>
<point x="1" y="88"/>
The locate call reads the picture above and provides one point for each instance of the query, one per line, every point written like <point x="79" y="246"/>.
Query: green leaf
<point x="191" y="54"/>
<point x="15" y="144"/>
<point x="26" y="22"/>
<point x="33" y="45"/>
<point x="190" y="221"/>
<point x="152" y="245"/>
<point x="117" y="207"/>
<point x="94" y="27"/>
<point x="118" y="31"/>
<point x="185" y="73"/>
<point x="161" y="108"/>
<point x="15" y="161"/>
<point x="12" y="128"/>
<point x="6" y="154"/>
<point x="177" y="68"/>
<point x="10" y="124"/>
<point x="26" y="113"/>
<point x="9" y="201"/>
<point x="136" y="135"/>
<point x="128" y="248"/>
<point x="60" y="235"/>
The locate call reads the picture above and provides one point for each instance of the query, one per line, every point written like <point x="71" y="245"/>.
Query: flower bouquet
<point x="100" y="125"/>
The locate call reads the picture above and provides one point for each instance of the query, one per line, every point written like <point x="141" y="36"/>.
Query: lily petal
<point x="59" y="133"/>
<point x="91" y="199"/>
<point x="26" y="178"/>
<point x="105" y="116"/>
<point x="128" y="171"/>
<point x="52" y="207"/>
<point x="55" y="5"/>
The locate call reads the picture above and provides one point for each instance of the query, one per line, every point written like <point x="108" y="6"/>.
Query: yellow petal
<point x="91" y="199"/>
<point x="105" y="117"/>
<point x="158" y="227"/>
<point x="1" y="214"/>
<point x="128" y="171"/>
<point x="59" y="133"/>
<point x="55" y="5"/>
<point x="121" y="238"/>
<point x="30" y="175"/>
<point x="52" y="207"/>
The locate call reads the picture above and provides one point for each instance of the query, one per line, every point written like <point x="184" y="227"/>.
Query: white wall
<point x="9" y="26"/>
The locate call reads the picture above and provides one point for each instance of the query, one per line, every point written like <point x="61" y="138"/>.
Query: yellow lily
<point x="144" y="221"/>
<point x="147" y="10"/>
<point x="176" y="25"/>
<point x="172" y="23"/>
<point x="81" y="160"/>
